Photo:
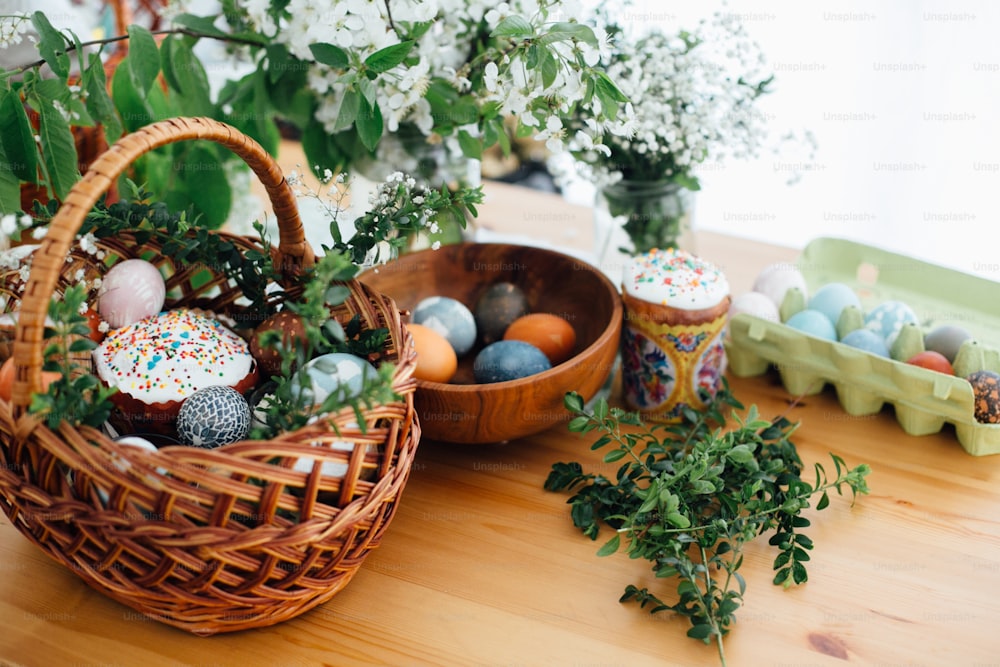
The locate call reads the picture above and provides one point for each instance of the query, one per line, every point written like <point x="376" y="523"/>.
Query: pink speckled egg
<point x="130" y="291"/>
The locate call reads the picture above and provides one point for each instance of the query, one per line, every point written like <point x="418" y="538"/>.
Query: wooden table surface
<point x="481" y="566"/>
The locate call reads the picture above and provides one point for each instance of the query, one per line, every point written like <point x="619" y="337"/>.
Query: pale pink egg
<point x="130" y="291"/>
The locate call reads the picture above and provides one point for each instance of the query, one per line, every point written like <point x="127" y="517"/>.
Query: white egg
<point x="756" y="304"/>
<point x="775" y="280"/>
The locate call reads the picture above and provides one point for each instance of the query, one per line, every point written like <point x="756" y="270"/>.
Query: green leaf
<point x="369" y="124"/>
<point x="51" y="45"/>
<point x="99" y="102"/>
<point x="610" y="547"/>
<point x="20" y="151"/>
<point x="10" y="187"/>
<point x="740" y="454"/>
<point x="330" y="54"/>
<point x="134" y="109"/>
<point x="605" y="87"/>
<point x="573" y="401"/>
<point x="471" y="146"/>
<point x="513" y="26"/>
<point x="550" y="69"/>
<point x="205" y="185"/>
<point x="824" y="501"/>
<point x="350" y="104"/>
<point x="278" y="61"/>
<point x="58" y="150"/>
<point x="186" y="75"/>
<point x="143" y="58"/>
<point x="614" y="455"/>
<point x="565" y="31"/>
<point x="578" y="424"/>
<point x="701" y="631"/>
<point x="387" y="58"/>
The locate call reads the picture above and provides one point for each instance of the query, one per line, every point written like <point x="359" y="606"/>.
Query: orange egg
<point x="436" y="359"/>
<point x="7" y="379"/>
<point x="934" y="361"/>
<point x="551" y="334"/>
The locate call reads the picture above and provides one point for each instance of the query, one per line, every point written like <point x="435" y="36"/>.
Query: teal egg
<point x="814" y="323"/>
<point x="832" y="298"/>
<point x="867" y="340"/>
<point x="508" y="360"/>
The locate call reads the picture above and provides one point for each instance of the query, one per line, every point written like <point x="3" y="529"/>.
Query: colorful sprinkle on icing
<point x="169" y="356"/>
<point x="675" y="278"/>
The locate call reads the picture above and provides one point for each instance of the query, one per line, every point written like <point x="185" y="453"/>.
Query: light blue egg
<point x="508" y="360"/>
<point x="867" y="340"/>
<point x="328" y="373"/>
<point x="887" y="319"/>
<point x="450" y="318"/>
<point x="814" y="323"/>
<point x="832" y="298"/>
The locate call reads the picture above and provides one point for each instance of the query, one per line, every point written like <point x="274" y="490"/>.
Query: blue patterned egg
<point x="508" y="360"/>
<point x="814" y="323"/>
<point x="867" y="340"/>
<point x="335" y="373"/>
<point x="212" y="417"/>
<point x="832" y="298"/>
<point x="886" y="319"/>
<point x="450" y="318"/>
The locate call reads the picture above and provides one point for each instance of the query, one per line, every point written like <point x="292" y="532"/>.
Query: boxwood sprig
<point x="689" y="496"/>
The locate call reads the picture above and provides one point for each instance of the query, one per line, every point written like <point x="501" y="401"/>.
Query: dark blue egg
<point x="508" y="360"/>
<point x="450" y="318"/>
<point x="212" y="417"/>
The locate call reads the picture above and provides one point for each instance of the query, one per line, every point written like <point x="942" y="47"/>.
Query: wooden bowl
<point x="466" y="412"/>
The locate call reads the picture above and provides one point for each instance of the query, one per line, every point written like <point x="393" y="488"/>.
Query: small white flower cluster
<point x="691" y="98"/>
<point x="12" y="27"/>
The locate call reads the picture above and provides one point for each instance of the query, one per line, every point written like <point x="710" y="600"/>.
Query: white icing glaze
<point x="170" y="356"/>
<point x="675" y="278"/>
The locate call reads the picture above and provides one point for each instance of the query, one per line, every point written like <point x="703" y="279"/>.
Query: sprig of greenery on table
<point x="688" y="497"/>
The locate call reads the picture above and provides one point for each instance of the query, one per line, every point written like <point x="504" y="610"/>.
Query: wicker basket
<point x="205" y="540"/>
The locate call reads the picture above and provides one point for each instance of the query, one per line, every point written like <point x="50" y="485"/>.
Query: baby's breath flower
<point x="691" y="98"/>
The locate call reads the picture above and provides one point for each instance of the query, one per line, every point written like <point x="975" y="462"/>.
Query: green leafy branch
<point x="689" y="496"/>
<point x="75" y="396"/>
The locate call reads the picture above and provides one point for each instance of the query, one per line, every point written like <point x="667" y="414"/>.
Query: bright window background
<point x="902" y="98"/>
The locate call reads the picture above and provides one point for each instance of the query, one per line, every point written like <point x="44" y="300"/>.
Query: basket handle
<point x="50" y="258"/>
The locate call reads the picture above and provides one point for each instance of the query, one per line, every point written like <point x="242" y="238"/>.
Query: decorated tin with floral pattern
<point x="675" y="318"/>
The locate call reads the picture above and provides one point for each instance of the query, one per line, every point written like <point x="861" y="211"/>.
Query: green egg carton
<point x="923" y="400"/>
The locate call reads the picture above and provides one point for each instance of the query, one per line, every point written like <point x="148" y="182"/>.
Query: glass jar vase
<point x="633" y="217"/>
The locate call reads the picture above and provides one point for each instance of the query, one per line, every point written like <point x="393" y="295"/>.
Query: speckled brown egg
<point x="986" y="391"/>
<point x="551" y="334"/>
<point x="290" y="326"/>
<point x="496" y="308"/>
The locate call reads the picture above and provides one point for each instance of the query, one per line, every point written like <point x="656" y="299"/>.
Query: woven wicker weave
<point x="206" y="540"/>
